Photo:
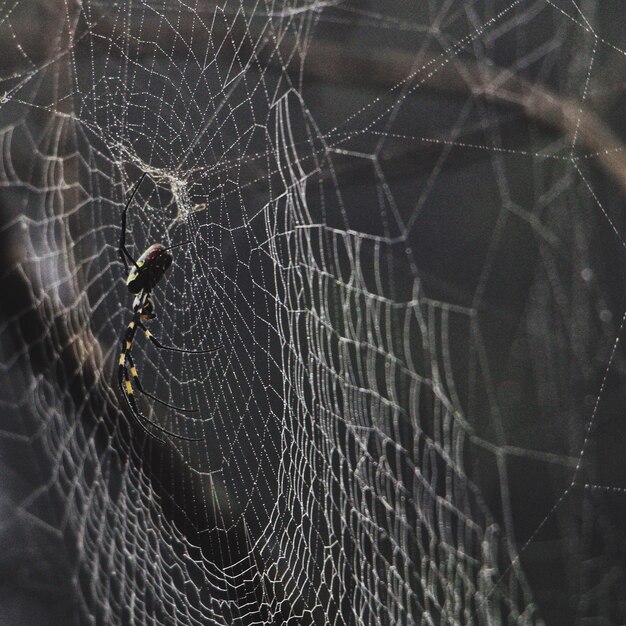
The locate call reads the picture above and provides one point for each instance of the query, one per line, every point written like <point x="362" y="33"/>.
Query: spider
<point x="142" y="276"/>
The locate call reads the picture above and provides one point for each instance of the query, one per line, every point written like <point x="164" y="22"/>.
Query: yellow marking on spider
<point x="148" y="333"/>
<point x="129" y="388"/>
<point x="131" y="325"/>
<point x="133" y="372"/>
<point x="122" y="358"/>
<point x="128" y="345"/>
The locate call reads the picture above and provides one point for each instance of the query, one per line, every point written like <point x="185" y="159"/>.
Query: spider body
<point x="149" y="269"/>
<point x="143" y="304"/>
<point x="142" y="276"/>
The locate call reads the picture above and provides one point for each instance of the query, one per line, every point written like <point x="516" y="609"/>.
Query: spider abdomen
<point x="149" y="269"/>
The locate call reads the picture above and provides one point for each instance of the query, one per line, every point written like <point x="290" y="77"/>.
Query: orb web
<point x="404" y="229"/>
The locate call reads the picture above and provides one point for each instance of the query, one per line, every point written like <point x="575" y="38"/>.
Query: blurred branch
<point x="387" y="68"/>
<point x="371" y="69"/>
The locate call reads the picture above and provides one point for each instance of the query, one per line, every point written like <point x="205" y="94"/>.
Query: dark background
<point x="407" y="233"/>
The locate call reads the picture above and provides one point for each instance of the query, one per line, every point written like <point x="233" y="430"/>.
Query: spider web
<point x="406" y="232"/>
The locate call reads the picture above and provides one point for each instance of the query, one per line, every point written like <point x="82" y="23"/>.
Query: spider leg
<point x="176" y="245"/>
<point x="124" y="254"/>
<point x="137" y="383"/>
<point x="127" y="389"/>
<point x="142" y="419"/>
<point x="159" y="345"/>
<point x="127" y="392"/>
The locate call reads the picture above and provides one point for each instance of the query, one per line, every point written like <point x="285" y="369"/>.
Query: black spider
<point x="142" y="276"/>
